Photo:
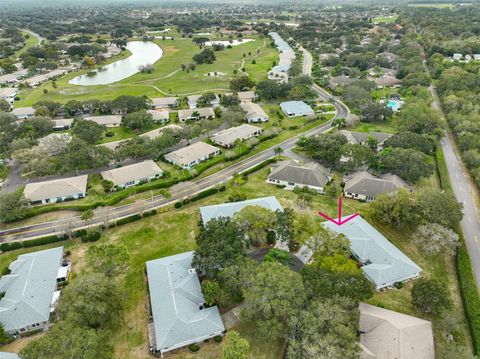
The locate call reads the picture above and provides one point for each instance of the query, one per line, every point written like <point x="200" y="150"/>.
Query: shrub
<point x="91" y="236"/>
<point x="44" y="240"/>
<point x="222" y="189"/>
<point x="194" y="348"/>
<point x="218" y="338"/>
<point x="271" y="237"/>
<point x="150" y="213"/>
<point x="10" y="246"/>
<point x="203" y="194"/>
<point x="178" y="204"/>
<point x="128" y="219"/>
<point x="186" y="201"/>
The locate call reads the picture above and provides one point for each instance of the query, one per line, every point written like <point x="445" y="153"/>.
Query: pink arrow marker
<point x="339" y="222"/>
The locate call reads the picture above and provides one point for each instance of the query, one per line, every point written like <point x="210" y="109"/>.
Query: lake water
<point x="226" y="43"/>
<point x="143" y="53"/>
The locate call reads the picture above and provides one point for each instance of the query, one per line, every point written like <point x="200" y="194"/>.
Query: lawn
<point x="30" y="42"/>
<point x="173" y="231"/>
<point x="167" y="78"/>
<point x="386" y="126"/>
<point x="384" y="19"/>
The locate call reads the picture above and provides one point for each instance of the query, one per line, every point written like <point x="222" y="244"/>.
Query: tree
<point x="73" y="107"/>
<point x="339" y="123"/>
<point x="327" y="148"/>
<point x="241" y="83"/>
<point x="107" y="185"/>
<point x="278" y="151"/>
<point x="274" y="297"/>
<point x="215" y="294"/>
<point x="423" y="143"/>
<point x="431" y="296"/>
<point x="88" y="131"/>
<point x="109" y="259"/>
<point x="230" y="101"/>
<point x="4" y="105"/>
<point x="398" y="209"/>
<point x="206" y="99"/>
<point x="440" y="207"/>
<point x="90" y="301"/>
<point x="358" y="156"/>
<point x="87" y="215"/>
<point x="409" y="164"/>
<point x="321" y="282"/>
<point x="419" y="117"/>
<point x="13" y="206"/>
<point x="235" y="346"/>
<point x="272" y="90"/>
<point x="206" y="56"/>
<point x="433" y="239"/>
<point x="325" y="329"/>
<point x="278" y="255"/>
<point x="140" y="120"/>
<point x="255" y="222"/>
<point x="3" y="336"/>
<point x="338" y="263"/>
<point x="219" y="245"/>
<point x="285" y="224"/>
<point x="65" y="341"/>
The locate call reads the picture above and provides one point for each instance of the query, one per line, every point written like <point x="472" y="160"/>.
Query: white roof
<point x="23" y="111"/>
<point x="63" y="122"/>
<point x="158" y="131"/>
<point x="230" y="135"/>
<point x="106" y="119"/>
<point x="176" y="299"/>
<point x="134" y="172"/>
<point x="113" y="144"/>
<point x="386" y="334"/>
<point x="191" y="153"/>
<point x="159" y="115"/>
<point x="253" y="110"/>
<point x="246" y="95"/>
<point x="29" y="288"/>
<point x="202" y="112"/>
<point x="62" y="187"/>
<point x="164" y="101"/>
<point x="7" y="92"/>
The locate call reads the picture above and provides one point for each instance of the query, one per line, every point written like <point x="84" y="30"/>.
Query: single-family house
<point x="229" y="209"/>
<point x="54" y="143"/>
<point x="457" y="57"/>
<point x="286" y="57"/>
<point x="30" y="291"/>
<point x="23" y="113"/>
<point x="159" y="131"/>
<point x="254" y="112"/>
<point x="113" y="145"/>
<point x="8" y="94"/>
<point x="246" y="96"/>
<point x="132" y="175"/>
<point x="362" y="138"/>
<point x="192" y="155"/>
<point x="62" y="124"/>
<point x="468" y="57"/>
<point x="387" y="81"/>
<point x="106" y="120"/>
<point x="381" y="262"/>
<point x="292" y="174"/>
<point x="193" y="101"/>
<point x="387" y="334"/>
<point x="180" y="316"/>
<point x="364" y="186"/>
<point x="159" y="116"/>
<point x="57" y="190"/>
<point x="336" y="82"/>
<point x="476" y="57"/>
<point x="196" y="114"/>
<point x="296" y="109"/>
<point x="165" y="102"/>
<point x="228" y="137"/>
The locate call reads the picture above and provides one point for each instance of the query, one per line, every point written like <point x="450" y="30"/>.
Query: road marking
<point x="470" y="219"/>
<point x="475" y="237"/>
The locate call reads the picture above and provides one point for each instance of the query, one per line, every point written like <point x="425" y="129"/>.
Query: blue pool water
<point x="394" y="105"/>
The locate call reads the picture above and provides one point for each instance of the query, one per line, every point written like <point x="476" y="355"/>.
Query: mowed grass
<point x="166" y="78"/>
<point x="384" y="19"/>
<point x="30" y="42"/>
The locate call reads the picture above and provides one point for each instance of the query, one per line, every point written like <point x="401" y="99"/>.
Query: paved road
<point x="307" y="62"/>
<point x="178" y="192"/>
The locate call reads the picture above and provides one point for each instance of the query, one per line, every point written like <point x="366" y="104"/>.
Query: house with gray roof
<point x="291" y="174"/>
<point x="361" y="138"/>
<point x="8" y="94"/>
<point x="387" y="334"/>
<point x="62" y="124"/>
<point x="106" y="120"/>
<point x="229" y="209"/>
<point x="165" y="102"/>
<point x="253" y="112"/>
<point x="286" y="57"/>
<point x="57" y="190"/>
<point x="296" y="109"/>
<point x="30" y="291"/>
<point x="179" y="313"/>
<point x="196" y="114"/>
<point x="193" y="101"/>
<point x="22" y="113"/>
<point x="133" y="175"/>
<point x="228" y="137"/>
<point x="159" y="116"/>
<point x="362" y="185"/>
<point x="246" y="96"/>
<point x="159" y="131"/>
<point x="190" y="156"/>
<point x="382" y="263"/>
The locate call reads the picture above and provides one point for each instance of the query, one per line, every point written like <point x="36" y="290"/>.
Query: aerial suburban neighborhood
<point x="250" y="180"/>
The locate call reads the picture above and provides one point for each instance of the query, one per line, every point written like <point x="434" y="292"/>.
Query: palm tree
<point x="339" y="123"/>
<point x="278" y="151"/>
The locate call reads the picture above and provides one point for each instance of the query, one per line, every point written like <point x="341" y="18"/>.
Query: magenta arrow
<point x="339" y="222"/>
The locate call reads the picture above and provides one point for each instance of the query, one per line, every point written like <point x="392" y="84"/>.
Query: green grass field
<point x="384" y="19"/>
<point x="30" y="42"/>
<point x="164" y="80"/>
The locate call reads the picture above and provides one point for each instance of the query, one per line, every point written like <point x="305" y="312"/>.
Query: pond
<point x="143" y="53"/>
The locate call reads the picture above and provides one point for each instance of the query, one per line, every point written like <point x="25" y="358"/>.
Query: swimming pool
<point x="394" y="105"/>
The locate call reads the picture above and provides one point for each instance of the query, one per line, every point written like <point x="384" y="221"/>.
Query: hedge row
<point x="129" y="219"/>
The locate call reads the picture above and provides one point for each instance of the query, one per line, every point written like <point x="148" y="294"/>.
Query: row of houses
<point x="286" y="56"/>
<point x="20" y="76"/>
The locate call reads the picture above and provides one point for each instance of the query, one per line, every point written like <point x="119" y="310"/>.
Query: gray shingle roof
<point x="176" y="297"/>
<point x="367" y="184"/>
<point x="134" y="172"/>
<point x="390" y="335"/>
<point x="384" y="264"/>
<point x="62" y="187"/>
<point x="29" y="288"/>
<point x="361" y="137"/>
<point x="297" y="108"/>
<point x="229" y="209"/>
<point x="230" y="135"/>
<point x="193" y="152"/>
<point x="253" y="110"/>
<point x="311" y="174"/>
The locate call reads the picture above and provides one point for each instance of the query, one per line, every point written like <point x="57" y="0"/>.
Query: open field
<point x="434" y="5"/>
<point x="173" y="231"/>
<point x="384" y="19"/>
<point x="167" y="77"/>
<point x="30" y="42"/>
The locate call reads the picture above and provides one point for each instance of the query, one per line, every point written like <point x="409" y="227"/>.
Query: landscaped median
<point x="467" y="283"/>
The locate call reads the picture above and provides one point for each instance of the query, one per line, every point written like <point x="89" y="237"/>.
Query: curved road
<point x="220" y="177"/>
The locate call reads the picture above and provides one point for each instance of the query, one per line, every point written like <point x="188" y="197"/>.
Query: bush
<point x="150" y="213"/>
<point x="271" y="237"/>
<point x="186" y="201"/>
<point x="10" y="246"/>
<point x="194" y="348"/>
<point x="91" y="236"/>
<point x="178" y="204"/>
<point x="44" y="240"/>
<point x="218" y="338"/>
<point x="204" y="194"/>
<point x="128" y="219"/>
<point x="222" y="189"/>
